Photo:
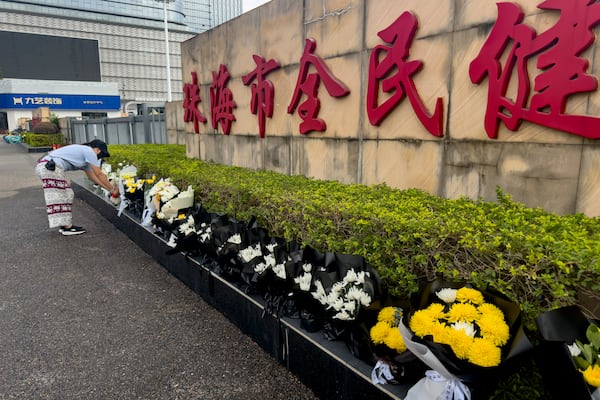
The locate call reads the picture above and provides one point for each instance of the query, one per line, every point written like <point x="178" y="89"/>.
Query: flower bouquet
<point x="463" y="335"/>
<point x="304" y="262"/>
<point x="393" y="362"/>
<point x="568" y="355"/>
<point x="345" y="287"/>
<point x="229" y="236"/>
<point x="134" y="191"/>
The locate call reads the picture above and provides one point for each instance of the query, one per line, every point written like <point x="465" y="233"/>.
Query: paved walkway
<point x="94" y="317"/>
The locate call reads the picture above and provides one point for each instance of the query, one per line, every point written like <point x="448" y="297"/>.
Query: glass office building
<point x="130" y="37"/>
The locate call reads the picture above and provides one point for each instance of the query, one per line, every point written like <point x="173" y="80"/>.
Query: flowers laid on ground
<point x="587" y="356"/>
<point x="474" y="329"/>
<point x="346" y="296"/>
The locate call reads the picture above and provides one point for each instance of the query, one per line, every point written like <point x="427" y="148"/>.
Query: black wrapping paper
<point x="559" y="328"/>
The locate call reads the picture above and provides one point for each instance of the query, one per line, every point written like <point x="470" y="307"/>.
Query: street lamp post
<point x="168" y="63"/>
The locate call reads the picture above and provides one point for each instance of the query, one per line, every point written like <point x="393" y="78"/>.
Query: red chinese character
<point x="399" y="35"/>
<point x="221" y="100"/>
<point x="308" y="84"/>
<point x="263" y="92"/>
<point x="191" y="93"/>
<point x="563" y="72"/>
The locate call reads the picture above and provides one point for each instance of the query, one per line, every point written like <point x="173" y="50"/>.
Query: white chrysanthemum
<point x="271" y="247"/>
<point x="270" y="260"/>
<point x="319" y="293"/>
<point x="332" y="296"/>
<point x="361" y="276"/>
<point x="447" y="295"/>
<point x="235" y="239"/>
<point x="188" y="227"/>
<point x="304" y="281"/>
<point x="350" y="307"/>
<point x="337" y="304"/>
<point x="250" y="253"/>
<point x="337" y="288"/>
<point x="574" y="349"/>
<point x="354" y="293"/>
<point x="467" y="327"/>
<point x="279" y="271"/>
<point x="260" y="268"/>
<point x="351" y="276"/>
<point x="343" y="316"/>
<point x="307" y="267"/>
<point x="206" y="236"/>
<point x="365" y="299"/>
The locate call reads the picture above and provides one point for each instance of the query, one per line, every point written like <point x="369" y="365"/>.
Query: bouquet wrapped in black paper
<point x="463" y="335"/>
<point x="394" y="363"/>
<point x="346" y="286"/>
<point x="134" y="193"/>
<point x="303" y="263"/>
<point x="568" y="356"/>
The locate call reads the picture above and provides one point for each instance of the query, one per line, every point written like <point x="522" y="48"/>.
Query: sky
<point x="248" y="5"/>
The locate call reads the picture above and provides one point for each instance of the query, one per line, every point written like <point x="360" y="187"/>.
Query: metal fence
<point x="138" y="129"/>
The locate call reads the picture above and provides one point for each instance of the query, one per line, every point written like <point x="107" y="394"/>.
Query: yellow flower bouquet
<point x="394" y="364"/>
<point x="462" y="334"/>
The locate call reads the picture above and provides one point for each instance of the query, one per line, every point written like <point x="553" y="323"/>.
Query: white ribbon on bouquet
<point x="438" y="384"/>
<point x="382" y="373"/>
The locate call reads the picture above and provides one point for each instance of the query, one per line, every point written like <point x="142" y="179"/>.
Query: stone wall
<point x="537" y="165"/>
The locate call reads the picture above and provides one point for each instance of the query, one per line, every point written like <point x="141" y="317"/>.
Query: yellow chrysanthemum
<point x="394" y="341"/>
<point x="387" y="314"/>
<point x="379" y="332"/>
<point x="462" y="312"/>
<point x="483" y="353"/>
<point x="490" y="309"/>
<point x="592" y="375"/>
<point x="442" y="334"/>
<point x="460" y="343"/>
<point x="421" y="323"/>
<point x="494" y="329"/>
<point x="470" y="295"/>
<point x="435" y="311"/>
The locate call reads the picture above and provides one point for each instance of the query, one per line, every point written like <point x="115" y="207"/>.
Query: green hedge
<point x="538" y="259"/>
<point x="42" y="139"/>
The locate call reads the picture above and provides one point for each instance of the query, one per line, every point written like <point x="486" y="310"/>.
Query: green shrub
<point x="538" y="259"/>
<point x="43" y="140"/>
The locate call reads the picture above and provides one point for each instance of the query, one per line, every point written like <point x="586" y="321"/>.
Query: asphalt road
<point x="94" y="317"/>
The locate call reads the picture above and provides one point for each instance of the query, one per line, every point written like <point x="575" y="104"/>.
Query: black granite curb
<point x="327" y="367"/>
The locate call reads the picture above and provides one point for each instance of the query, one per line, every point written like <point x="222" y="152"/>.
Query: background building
<point x="130" y="42"/>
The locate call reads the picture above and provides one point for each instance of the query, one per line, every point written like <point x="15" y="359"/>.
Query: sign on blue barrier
<point x="59" y="101"/>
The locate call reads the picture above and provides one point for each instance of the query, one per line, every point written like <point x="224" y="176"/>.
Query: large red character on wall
<point x="191" y="93"/>
<point x="393" y="76"/>
<point x="263" y="91"/>
<point x="221" y="100"/>
<point x="308" y="84"/>
<point x="563" y="71"/>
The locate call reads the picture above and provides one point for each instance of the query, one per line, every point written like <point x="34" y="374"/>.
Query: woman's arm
<point x="97" y="176"/>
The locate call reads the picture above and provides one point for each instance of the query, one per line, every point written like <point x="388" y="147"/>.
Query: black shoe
<point x="73" y="230"/>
